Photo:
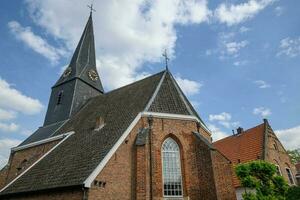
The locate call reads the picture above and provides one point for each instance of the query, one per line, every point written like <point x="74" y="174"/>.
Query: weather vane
<point x="91" y="8"/>
<point x="165" y="55"/>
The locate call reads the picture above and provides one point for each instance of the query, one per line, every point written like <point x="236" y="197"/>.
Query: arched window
<point x="290" y="174"/>
<point x="171" y="166"/>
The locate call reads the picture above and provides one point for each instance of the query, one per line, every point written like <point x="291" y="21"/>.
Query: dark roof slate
<point x="74" y="160"/>
<point x="83" y="59"/>
<point x="43" y="133"/>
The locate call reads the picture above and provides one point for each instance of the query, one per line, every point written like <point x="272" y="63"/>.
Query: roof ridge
<point x="243" y="133"/>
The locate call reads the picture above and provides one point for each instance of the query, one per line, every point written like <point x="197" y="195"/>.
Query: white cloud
<point x="262" y="84"/>
<point x="127" y="34"/>
<point x="244" y="29"/>
<point x="217" y="133"/>
<point x="234" y="14"/>
<point x="189" y="87"/>
<point x="289" y="137"/>
<point x="7" y="114"/>
<point x="12" y="99"/>
<point x="289" y="47"/>
<point x="224" y="119"/>
<point x="228" y="47"/>
<point x="224" y="116"/>
<point x="262" y="111"/>
<point x="279" y="11"/>
<point x="11" y="127"/>
<point x="5" y="145"/>
<point x="233" y="48"/>
<point x="35" y="42"/>
<point x="240" y="63"/>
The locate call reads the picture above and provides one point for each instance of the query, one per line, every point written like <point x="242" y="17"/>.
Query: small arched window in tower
<point x="171" y="164"/>
<point x="59" y="98"/>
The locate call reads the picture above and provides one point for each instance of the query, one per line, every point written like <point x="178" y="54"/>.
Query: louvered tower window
<point x="59" y="97"/>
<point x="172" y="178"/>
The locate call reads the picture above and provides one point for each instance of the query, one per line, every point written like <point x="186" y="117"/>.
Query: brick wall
<point x="22" y="159"/>
<point x="276" y="154"/>
<point x="117" y="179"/>
<point x="223" y="176"/>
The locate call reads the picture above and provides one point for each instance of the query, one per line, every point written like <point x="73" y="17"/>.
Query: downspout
<point x="265" y="140"/>
<point x="85" y="193"/>
<point x="150" y="122"/>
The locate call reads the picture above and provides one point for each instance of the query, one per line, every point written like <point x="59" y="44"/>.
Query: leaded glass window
<point x="172" y="178"/>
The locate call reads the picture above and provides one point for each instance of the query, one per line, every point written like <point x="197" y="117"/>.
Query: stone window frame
<point x="180" y="169"/>
<point x="278" y="168"/>
<point x="290" y="175"/>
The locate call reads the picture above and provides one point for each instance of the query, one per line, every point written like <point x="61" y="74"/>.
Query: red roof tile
<point x="243" y="147"/>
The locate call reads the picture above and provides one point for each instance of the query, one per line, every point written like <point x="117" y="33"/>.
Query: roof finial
<point x="91" y="8"/>
<point x="165" y="55"/>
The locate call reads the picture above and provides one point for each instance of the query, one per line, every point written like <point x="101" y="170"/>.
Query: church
<point x="141" y="141"/>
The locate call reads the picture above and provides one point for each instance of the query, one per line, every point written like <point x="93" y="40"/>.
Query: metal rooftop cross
<point x="91" y="8"/>
<point x="165" y="55"/>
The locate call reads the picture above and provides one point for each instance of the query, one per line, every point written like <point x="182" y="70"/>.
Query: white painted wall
<point x="241" y="190"/>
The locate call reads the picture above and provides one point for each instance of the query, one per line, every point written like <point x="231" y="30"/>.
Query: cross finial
<point x="91" y="8"/>
<point x="165" y="55"/>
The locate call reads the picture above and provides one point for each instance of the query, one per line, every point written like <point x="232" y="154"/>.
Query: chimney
<point x="239" y="130"/>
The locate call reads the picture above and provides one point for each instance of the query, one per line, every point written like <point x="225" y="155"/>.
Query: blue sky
<point x="238" y="62"/>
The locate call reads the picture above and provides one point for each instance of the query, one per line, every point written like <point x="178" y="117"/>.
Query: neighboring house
<point x="140" y="141"/>
<point x="257" y="143"/>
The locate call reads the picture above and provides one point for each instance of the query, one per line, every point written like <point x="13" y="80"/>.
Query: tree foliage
<point x="293" y="193"/>
<point x="295" y="155"/>
<point x="261" y="176"/>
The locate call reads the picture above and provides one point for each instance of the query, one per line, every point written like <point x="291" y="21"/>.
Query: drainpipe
<point x="150" y="123"/>
<point x="85" y="193"/>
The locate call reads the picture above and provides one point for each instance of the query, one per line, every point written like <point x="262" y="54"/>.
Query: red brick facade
<point x="135" y="173"/>
<point x="128" y="173"/>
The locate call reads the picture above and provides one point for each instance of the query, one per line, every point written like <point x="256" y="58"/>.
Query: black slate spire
<point x="83" y="62"/>
<point x="79" y="82"/>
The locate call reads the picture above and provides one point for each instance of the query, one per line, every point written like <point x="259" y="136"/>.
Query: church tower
<point x="79" y="82"/>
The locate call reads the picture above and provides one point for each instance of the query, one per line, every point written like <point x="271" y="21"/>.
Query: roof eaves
<point x="67" y="135"/>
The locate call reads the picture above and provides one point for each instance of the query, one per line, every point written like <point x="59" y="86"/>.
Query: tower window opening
<point x="59" y="98"/>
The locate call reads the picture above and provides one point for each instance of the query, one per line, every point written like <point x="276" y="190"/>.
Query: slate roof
<point x="43" y="133"/>
<point x="243" y="147"/>
<point x="83" y="59"/>
<point x="75" y="159"/>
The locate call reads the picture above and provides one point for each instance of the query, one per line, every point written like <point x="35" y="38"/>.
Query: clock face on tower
<point x="93" y="75"/>
<point x="67" y="72"/>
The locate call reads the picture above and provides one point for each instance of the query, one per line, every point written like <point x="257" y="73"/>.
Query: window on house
<point x="275" y="146"/>
<point x="290" y="175"/>
<point x="278" y="171"/>
<point x="59" y="97"/>
<point x="172" y="178"/>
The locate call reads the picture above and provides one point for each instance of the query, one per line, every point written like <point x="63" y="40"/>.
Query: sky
<point x="237" y="61"/>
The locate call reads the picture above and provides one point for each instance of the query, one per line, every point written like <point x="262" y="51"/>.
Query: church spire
<point x="83" y="62"/>
<point x="79" y="82"/>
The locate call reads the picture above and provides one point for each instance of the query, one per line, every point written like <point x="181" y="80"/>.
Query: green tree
<point x="261" y="176"/>
<point x="295" y="155"/>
